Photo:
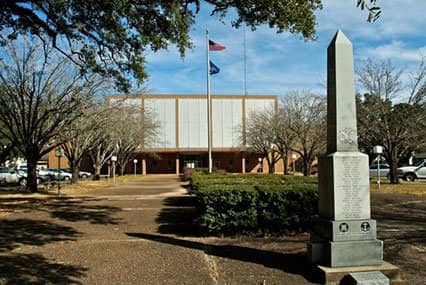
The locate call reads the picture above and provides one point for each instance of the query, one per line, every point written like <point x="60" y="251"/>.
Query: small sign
<point x="378" y="149"/>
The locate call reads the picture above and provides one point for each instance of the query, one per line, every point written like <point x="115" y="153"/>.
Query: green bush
<point x="257" y="204"/>
<point x="227" y="210"/>
<point x="287" y="208"/>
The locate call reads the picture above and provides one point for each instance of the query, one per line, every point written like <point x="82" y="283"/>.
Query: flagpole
<point x="208" y="104"/>
<point x="245" y="60"/>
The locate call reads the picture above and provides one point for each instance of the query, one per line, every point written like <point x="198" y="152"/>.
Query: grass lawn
<point x="86" y="186"/>
<point x="412" y="188"/>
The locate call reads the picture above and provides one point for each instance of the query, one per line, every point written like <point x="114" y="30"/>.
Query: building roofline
<point x="191" y="96"/>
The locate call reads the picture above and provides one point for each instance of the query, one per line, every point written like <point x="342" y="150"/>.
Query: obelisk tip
<point x="340" y="38"/>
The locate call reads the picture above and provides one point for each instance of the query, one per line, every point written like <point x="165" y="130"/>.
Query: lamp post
<point x="378" y="150"/>
<point x="59" y="153"/>
<point x="260" y="165"/>
<point x="293" y="160"/>
<point x="135" y="162"/>
<point x="113" y="159"/>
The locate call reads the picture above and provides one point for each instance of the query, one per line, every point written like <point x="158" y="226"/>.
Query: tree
<point x="124" y="130"/>
<point x="81" y="136"/>
<point x="285" y="138"/>
<point x="104" y="143"/>
<point x="260" y="136"/>
<point x="133" y="129"/>
<point x="40" y="97"/>
<point x="305" y="119"/>
<point x="110" y="36"/>
<point x="398" y="127"/>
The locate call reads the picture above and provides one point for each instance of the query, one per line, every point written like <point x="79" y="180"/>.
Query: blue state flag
<point x="213" y="68"/>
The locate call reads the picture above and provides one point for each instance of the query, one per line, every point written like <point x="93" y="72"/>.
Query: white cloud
<point x="398" y="18"/>
<point x="396" y="50"/>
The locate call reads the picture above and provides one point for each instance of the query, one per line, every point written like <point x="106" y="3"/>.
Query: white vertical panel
<point x="192" y="123"/>
<point x="163" y="112"/>
<point x="259" y="105"/>
<point x="227" y="122"/>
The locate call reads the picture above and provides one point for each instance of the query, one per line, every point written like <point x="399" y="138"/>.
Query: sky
<point x="279" y="63"/>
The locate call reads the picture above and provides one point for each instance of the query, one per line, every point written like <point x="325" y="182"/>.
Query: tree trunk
<point x="97" y="173"/>
<point x="393" y="171"/>
<point x="97" y="167"/>
<point x="122" y="165"/>
<point x="271" y="164"/>
<point x="285" y="161"/>
<point x="306" y="167"/>
<point x="74" y="171"/>
<point x="271" y="167"/>
<point x="32" y="174"/>
<point x="75" y="174"/>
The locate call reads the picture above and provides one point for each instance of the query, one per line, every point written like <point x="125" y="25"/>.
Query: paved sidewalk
<point x="139" y="232"/>
<point x="136" y="233"/>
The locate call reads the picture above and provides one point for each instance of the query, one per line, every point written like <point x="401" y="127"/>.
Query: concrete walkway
<point x="137" y="233"/>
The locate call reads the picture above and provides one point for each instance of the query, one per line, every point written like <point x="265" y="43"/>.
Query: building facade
<point x="182" y="140"/>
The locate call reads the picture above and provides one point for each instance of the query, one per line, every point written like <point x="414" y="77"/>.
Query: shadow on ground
<point x="177" y="216"/>
<point x="20" y="268"/>
<point x="18" y="232"/>
<point x="31" y="227"/>
<point x="294" y="263"/>
<point x="35" y="269"/>
<point x="64" y="208"/>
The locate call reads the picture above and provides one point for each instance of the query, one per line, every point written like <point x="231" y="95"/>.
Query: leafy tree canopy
<point x="110" y="36"/>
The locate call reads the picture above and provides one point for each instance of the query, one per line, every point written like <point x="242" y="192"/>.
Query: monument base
<point x="334" y="276"/>
<point x="347" y="253"/>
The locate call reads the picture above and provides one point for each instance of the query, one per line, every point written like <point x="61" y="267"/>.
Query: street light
<point x="113" y="159"/>
<point x="293" y="158"/>
<point x="260" y="165"/>
<point x="59" y="153"/>
<point x="135" y="162"/>
<point x="378" y="149"/>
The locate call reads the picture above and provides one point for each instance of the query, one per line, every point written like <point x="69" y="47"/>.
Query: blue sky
<point x="277" y="63"/>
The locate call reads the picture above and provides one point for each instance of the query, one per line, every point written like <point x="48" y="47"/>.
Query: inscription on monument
<point x="352" y="188"/>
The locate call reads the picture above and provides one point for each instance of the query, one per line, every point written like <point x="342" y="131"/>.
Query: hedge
<point x="201" y="181"/>
<point x="254" y="204"/>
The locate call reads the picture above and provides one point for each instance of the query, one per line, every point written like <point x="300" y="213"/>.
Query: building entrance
<point x="192" y="161"/>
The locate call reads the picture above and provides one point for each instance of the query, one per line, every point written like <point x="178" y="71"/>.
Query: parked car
<point x="40" y="177"/>
<point x="413" y="172"/>
<point x="57" y="174"/>
<point x="81" y="174"/>
<point x="384" y="171"/>
<point x="10" y="176"/>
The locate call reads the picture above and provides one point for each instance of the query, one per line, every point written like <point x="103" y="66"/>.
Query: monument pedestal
<point x="344" y="235"/>
<point x="335" y="276"/>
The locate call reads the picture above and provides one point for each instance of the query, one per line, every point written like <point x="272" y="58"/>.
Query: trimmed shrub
<point x="287" y="208"/>
<point x="256" y="204"/>
<point x="227" y="211"/>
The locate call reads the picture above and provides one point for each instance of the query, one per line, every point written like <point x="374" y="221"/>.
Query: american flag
<point x="213" y="46"/>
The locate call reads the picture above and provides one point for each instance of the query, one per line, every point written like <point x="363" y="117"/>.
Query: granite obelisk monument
<point x="344" y="234"/>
